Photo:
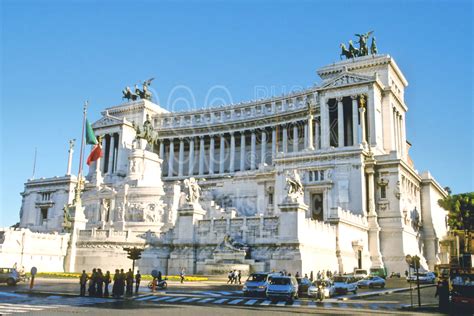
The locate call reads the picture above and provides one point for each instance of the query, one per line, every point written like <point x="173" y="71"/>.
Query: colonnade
<point x="110" y="145"/>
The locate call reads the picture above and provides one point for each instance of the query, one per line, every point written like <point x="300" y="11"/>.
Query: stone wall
<point x="45" y="251"/>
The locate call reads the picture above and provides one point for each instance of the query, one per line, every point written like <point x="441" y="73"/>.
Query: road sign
<point x="33" y="271"/>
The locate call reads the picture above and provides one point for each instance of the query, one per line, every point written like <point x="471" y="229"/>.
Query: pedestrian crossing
<point x="16" y="308"/>
<point x="243" y="301"/>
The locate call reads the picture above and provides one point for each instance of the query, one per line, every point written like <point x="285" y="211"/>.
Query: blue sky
<point x="57" y="54"/>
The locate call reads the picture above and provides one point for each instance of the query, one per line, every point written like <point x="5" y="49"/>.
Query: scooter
<point x="320" y="293"/>
<point x="160" y="285"/>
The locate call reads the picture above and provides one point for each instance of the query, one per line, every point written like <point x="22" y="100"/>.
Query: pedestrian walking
<point x="107" y="281"/>
<point x="230" y="276"/>
<point x="442" y="291"/>
<point x="138" y="278"/>
<point x="83" y="281"/>
<point x="328" y="274"/>
<point x="181" y="275"/>
<point x="318" y="275"/>
<point x="129" y="281"/>
<point x="297" y="275"/>
<point x="239" y="276"/>
<point x="116" y="283"/>
<point x="311" y="277"/>
<point x="99" y="283"/>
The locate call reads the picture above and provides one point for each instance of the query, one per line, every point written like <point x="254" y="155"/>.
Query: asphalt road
<point x="58" y="297"/>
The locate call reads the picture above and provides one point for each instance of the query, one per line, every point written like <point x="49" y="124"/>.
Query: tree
<point x="133" y="254"/>
<point x="461" y="213"/>
<point x="461" y="210"/>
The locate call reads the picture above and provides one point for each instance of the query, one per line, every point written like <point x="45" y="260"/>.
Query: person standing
<point x="106" y="283"/>
<point x="122" y="283"/>
<point x="83" y="281"/>
<point x="92" y="281"/>
<point x="181" y="275"/>
<point x="239" y="276"/>
<point x="116" y="283"/>
<point x="138" y="278"/>
<point x="129" y="281"/>
<point x="297" y="275"/>
<point x="100" y="283"/>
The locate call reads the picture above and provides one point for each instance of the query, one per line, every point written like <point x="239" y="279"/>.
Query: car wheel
<point x="370" y="286"/>
<point x="11" y="282"/>
<point x="355" y="291"/>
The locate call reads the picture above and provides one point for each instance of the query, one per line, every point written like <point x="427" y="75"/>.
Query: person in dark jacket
<point x="115" y="287"/>
<point x="122" y="283"/>
<point x="83" y="282"/>
<point x="92" y="281"/>
<point x="129" y="281"/>
<point x="138" y="278"/>
<point x="107" y="280"/>
<point x="100" y="283"/>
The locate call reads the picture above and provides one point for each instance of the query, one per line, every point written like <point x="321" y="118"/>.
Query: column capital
<point x="221" y="135"/>
<point x="231" y="133"/>
<point x="354" y="97"/>
<point x="339" y="99"/>
<point x="201" y="137"/>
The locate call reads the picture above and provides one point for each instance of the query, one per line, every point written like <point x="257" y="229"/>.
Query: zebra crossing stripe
<point x="235" y="301"/>
<point x="328" y="305"/>
<point x="225" y="293"/>
<point x="342" y="305"/>
<point x="358" y="305"/>
<point x="311" y="304"/>
<point x="205" y="300"/>
<point x="373" y="306"/>
<point x="192" y="299"/>
<point x="296" y="303"/>
<point x="145" y="298"/>
<point x="281" y="303"/>
<point x="19" y="308"/>
<point x="161" y="298"/>
<point x="266" y="303"/>
<point x="211" y="293"/>
<point x="220" y="301"/>
<point x="175" y="299"/>
<point x="250" y="302"/>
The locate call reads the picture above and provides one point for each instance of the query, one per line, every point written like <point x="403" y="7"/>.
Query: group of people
<point x="234" y="277"/>
<point x="99" y="283"/>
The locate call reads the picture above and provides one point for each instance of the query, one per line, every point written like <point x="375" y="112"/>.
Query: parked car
<point x="328" y="286"/>
<point x="9" y="276"/>
<point x="345" y="284"/>
<point x="359" y="274"/>
<point x="303" y="285"/>
<point x="380" y="272"/>
<point x="256" y="284"/>
<point x="371" y="282"/>
<point x="424" y="277"/>
<point x="282" y="287"/>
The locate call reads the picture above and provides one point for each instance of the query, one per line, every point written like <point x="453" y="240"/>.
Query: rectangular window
<point x="317" y="211"/>
<point x="43" y="215"/>
<point x="270" y="198"/>
<point x="383" y="192"/>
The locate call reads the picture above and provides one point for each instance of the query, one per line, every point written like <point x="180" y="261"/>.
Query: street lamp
<point x="414" y="262"/>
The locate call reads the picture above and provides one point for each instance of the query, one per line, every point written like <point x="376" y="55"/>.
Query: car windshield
<point x="279" y="281"/>
<point x="340" y="279"/>
<point x="257" y="278"/>
<point x="361" y="271"/>
<point x="422" y="274"/>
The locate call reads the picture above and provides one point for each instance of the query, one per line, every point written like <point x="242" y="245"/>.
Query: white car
<point x="329" y="289"/>
<point x="360" y="274"/>
<point x="345" y="284"/>
<point x="424" y="277"/>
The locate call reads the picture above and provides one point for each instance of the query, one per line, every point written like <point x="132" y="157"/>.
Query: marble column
<point x="162" y="149"/>
<point x="340" y="122"/>
<point x="274" y="142"/>
<point x="355" y="122"/>
<point x="69" y="158"/>
<point x="171" y="159"/>
<point x="403" y="136"/>
<point x="317" y="136"/>
<point x="102" y="161"/>
<point x="211" y="155"/>
<point x="242" y="150"/>
<point x="191" y="157"/>
<point x="362" y="124"/>
<point x="285" y="139"/>
<point x="181" y="157"/>
<point x="324" y="133"/>
<point x="263" y="147"/>
<point x="295" y="137"/>
<point x="310" y="132"/>
<point x="111" y="155"/>
<point x="222" y="154"/>
<point x="201" y="155"/>
<point x="232" y="153"/>
<point x="253" y="150"/>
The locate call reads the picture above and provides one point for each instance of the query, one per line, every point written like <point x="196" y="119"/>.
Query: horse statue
<point x="144" y="93"/>
<point x="345" y="52"/>
<point x="128" y="94"/>
<point x="352" y="50"/>
<point x="146" y="132"/>
<point x="363" y="38"/>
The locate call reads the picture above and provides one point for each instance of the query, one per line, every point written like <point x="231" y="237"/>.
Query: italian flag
<point x="96" y="152"/>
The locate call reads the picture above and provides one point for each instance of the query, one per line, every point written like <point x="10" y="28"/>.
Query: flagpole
<point x="81" y="158"/>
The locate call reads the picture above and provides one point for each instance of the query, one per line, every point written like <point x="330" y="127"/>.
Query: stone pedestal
<point x="78" y="223"/>
<point x="292" y="215"/>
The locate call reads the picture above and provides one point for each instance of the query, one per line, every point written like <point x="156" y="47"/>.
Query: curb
<point x="45" y="293"/>
<point x="386" y="292"/>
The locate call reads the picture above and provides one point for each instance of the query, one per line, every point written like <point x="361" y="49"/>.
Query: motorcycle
<point x="320" y="293"/>
<point x="162" y="285"/>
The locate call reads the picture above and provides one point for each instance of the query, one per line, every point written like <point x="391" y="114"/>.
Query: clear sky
<point x="57" y="54"/>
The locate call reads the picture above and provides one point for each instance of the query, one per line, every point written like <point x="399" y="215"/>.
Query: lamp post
<point x="414" y="262"/>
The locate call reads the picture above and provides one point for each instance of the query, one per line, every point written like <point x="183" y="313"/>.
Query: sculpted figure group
<point x="363" y="49"/>
<point x="144" y="93"/>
